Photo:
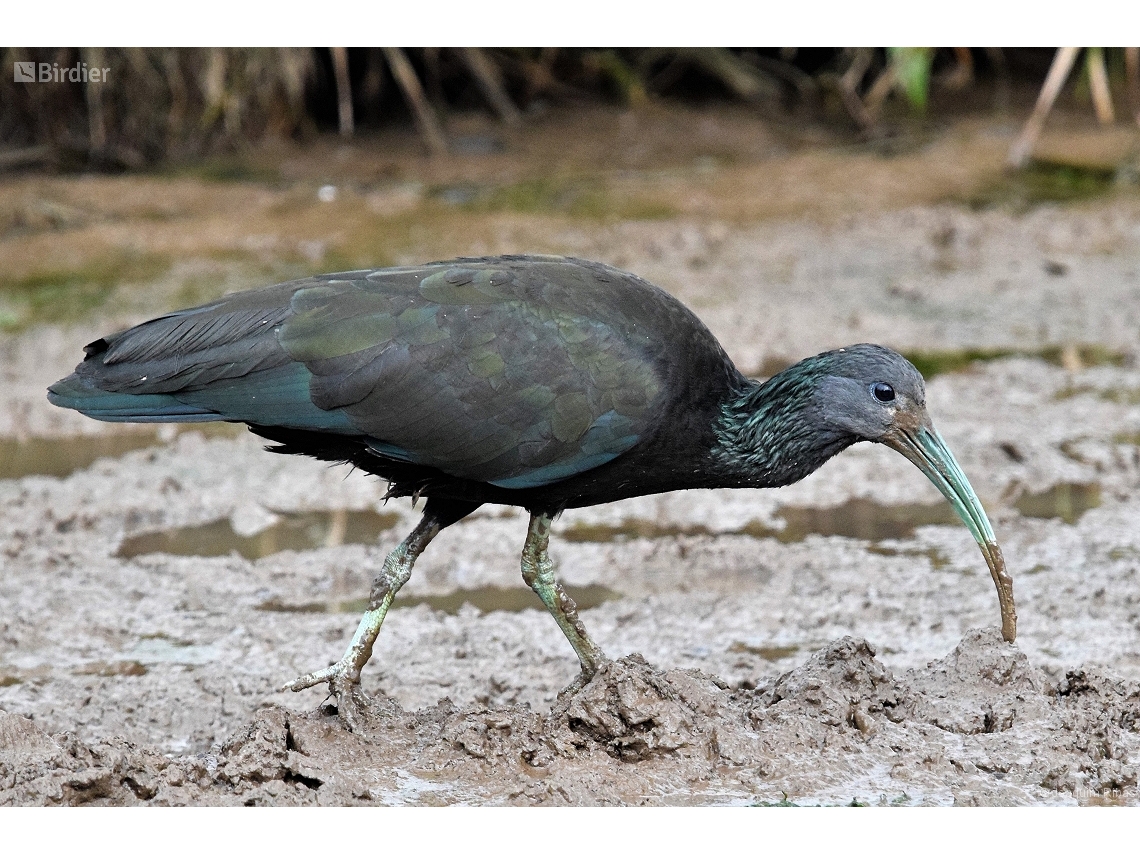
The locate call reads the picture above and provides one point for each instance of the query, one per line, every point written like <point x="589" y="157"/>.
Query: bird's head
<point x="866" y="393"/>
<point x="871" y="393"/>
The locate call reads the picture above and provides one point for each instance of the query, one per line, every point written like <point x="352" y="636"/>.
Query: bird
<point x="541" y="382"/>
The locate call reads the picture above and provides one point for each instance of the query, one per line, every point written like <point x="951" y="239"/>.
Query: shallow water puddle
<point x="863" y="519"/>
<point x="60" y="456"/>
<point x="160" y="650"/>
<point x="859" y="519"/>
<point x="626" y="530"/>
<point x="1066" y="502"/>
<point x="490" y="598"/>
<point x="113" y="668"/>
<point x="937" y="560"/>
<point x="300" y="531"/>
<point x="149" y="650"/>
<point x="770" y="653"/>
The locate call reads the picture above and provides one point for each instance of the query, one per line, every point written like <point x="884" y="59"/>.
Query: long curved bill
<point x="924" y="448"/>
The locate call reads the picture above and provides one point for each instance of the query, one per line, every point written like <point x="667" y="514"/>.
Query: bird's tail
<point x="77" y="393"/>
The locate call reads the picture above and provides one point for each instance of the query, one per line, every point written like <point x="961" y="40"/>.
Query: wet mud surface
<point x="157" y="587"/>
<point x="980" y="726"/>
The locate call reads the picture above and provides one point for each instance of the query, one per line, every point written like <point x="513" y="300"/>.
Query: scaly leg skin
<point x="343" y="678"/>
<point x="538" y="573"/>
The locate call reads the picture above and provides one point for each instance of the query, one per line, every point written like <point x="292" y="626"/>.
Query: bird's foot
<point x="584" y="677"/>
<point x="343" y="680"/>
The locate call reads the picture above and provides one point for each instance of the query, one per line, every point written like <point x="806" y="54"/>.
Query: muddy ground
<point x="832" y="642"/>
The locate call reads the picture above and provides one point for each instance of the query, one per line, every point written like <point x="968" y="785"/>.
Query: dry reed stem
<point x="1022" y="148"/>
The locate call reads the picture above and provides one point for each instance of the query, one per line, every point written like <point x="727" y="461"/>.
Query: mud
<point x="980" y="726"/>
<point x="158" y="587"/>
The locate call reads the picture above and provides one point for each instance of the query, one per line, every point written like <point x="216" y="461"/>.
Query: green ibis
<point x="541" y="382"/>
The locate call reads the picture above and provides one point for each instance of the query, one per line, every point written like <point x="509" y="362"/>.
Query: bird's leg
<point x="343" y="678"/>
<point x="538" y="572"/>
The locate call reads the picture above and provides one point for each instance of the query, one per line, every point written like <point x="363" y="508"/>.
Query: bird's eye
<point x="883" y="392"/>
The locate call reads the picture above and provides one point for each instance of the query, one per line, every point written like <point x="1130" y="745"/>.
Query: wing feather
<point x="515" y="371"/>
<point x="517" y="374"/>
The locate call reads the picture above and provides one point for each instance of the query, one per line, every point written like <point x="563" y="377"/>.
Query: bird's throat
<point x="768" y="436"/>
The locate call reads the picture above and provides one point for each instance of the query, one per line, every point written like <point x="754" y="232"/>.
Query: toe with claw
<point x="343" y="680"/>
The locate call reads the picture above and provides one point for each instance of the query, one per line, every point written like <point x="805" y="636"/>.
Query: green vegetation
<point x="227" y="170"/>
<point x="911" y="67"/>
<point x="1044" y="181"/>
<point x="931" y="363"/>
<point x="68" y="294"/>
<point x="1116" y="396"/>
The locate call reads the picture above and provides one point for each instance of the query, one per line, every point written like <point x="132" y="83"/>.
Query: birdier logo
<point x="51" y="72"/>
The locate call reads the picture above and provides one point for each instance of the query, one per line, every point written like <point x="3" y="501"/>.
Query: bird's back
<point x="515" y="372"/>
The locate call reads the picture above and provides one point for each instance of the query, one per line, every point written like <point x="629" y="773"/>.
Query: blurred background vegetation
<point x="191" y="172"/>
<point x="163" y="106"/>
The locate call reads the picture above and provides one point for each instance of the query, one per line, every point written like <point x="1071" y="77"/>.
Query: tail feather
<point x="279" y="396"/>
<point x="76" y="393"/>
<point x="218" y="362"/>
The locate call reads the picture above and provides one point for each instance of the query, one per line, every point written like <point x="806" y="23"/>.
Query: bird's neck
<point x="769" y="434"/>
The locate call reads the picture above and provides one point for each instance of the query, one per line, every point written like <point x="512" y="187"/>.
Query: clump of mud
<point x="981" y="726"/>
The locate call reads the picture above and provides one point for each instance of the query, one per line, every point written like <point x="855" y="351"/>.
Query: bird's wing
<point x="515" y="374"/>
